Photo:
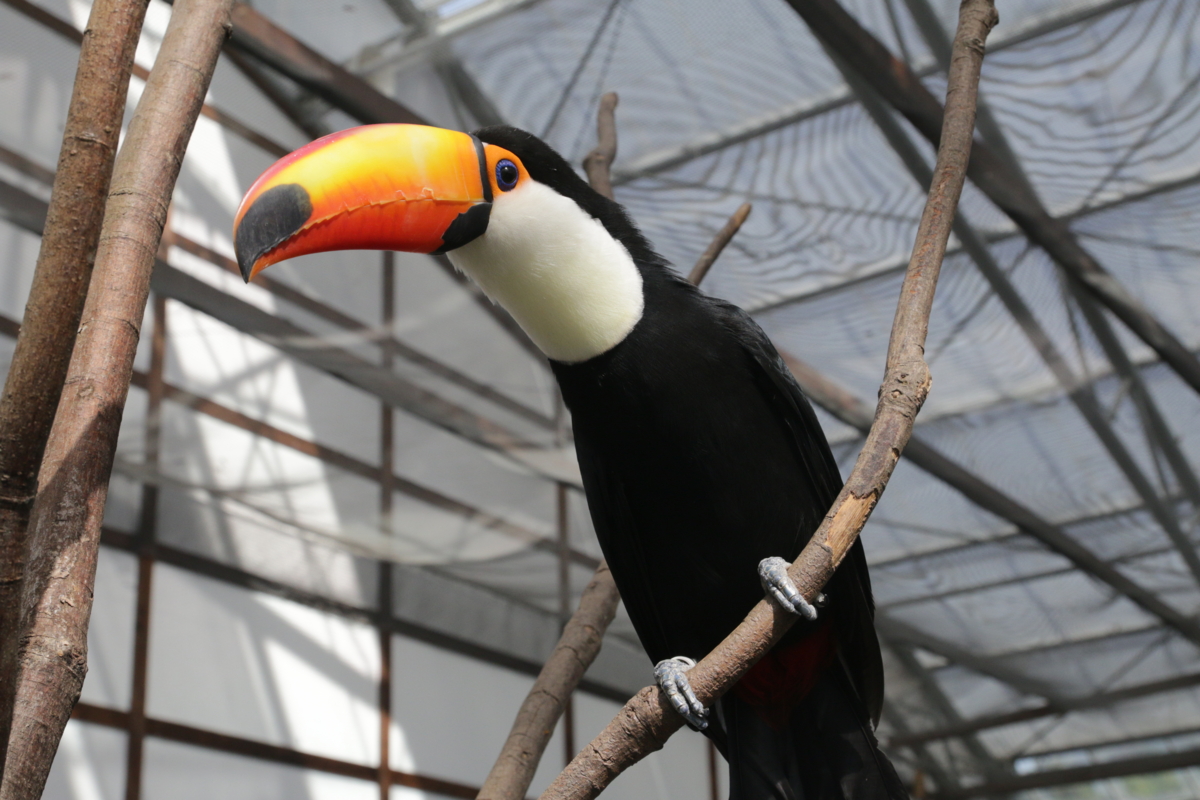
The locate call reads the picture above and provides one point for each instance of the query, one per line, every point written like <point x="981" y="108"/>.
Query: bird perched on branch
<point x="705" y="469"/>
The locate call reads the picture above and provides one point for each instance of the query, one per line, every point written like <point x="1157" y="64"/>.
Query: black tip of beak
<point x="273" y="217"/>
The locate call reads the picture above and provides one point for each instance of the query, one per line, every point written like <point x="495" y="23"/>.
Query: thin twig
<point x="646" y="721"/>
<point x="64" y="527"/>
<point x="718" y="244"/>
<point x="598" y="163"/>
<point x="60" y="282"/>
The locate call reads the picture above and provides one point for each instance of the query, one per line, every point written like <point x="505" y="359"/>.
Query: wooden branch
<point x="718" y="243"/>
<point x="583" y="635"/>
<point x="598" y="163"/>
<point x="64" y="528"/>
<point x="576" y="650"/>
<point x="646" y="721"/>
<point x="60" y="282"/>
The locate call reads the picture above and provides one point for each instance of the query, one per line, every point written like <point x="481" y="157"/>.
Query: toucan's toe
<point x="773" y="575"/>
<point x="671" y="676"/>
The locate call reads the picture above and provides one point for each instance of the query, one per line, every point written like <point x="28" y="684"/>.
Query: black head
<point x="547" y="167"/>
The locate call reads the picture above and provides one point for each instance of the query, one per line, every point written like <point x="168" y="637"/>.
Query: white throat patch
<point x="569" y="284"/>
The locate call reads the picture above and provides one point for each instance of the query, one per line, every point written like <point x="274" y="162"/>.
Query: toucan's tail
<point x="823" y="750"/>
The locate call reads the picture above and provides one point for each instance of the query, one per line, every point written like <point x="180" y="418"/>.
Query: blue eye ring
<point x="506" y="174"/>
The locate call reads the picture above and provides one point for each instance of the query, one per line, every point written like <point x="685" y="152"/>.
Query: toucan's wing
<point x="851" y="603"/>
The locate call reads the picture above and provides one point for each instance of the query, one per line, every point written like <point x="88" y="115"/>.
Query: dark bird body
<point x="700" y="457"/>
<point x="699" y="453"/>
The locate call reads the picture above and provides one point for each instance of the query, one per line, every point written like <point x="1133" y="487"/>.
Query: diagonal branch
<point x="60" y="284"/>
<point x="64" y="526"/>
<point x="646" y="721"/>
<point x="723" y="237"/>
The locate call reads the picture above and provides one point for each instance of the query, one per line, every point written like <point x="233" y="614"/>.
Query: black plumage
<point x="700" y="457"/>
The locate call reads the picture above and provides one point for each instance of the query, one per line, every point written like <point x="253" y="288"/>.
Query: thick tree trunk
<point x="60" y="282"/>
<point x="64" y="527"/>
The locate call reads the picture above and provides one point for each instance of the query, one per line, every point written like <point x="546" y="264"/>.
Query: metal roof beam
<point x="1093" y="772"/>
<point x="1157" y="431"/>
<point x="901" y="88"/>
<point x="458" y="82"/>
<point x="853" y="412"/>
<point x="989" y="765"/>
<point x="1077" y="390"/>
<point x="898" y="266"/>
<point x="841" y="97"/>
<point x="895" y="629"/>
<point x="1001" y="583"/>
<point x="1062" y="706"/>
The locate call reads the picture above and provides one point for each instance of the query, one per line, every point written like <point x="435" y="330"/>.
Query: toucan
<point x="705" y="468"/>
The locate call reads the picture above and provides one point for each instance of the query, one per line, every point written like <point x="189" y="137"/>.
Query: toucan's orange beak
<point x="379" y="187"/>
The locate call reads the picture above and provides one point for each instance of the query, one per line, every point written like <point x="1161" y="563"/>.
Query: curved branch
<point x="598" y="163"/>
<point x="647" y="721"/>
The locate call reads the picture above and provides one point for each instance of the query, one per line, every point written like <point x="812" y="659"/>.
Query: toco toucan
<point x="703" y="463"/>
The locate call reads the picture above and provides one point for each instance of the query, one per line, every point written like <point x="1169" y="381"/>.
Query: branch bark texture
<point x="576" y="650"/>
<point x="64" y="528"/>
<point x="646" y="721"/>
<point x="60" y="284"/>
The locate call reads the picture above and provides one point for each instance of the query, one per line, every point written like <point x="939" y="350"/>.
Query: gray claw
<point x="772" y="573"/>
<point x="671" y="676"/>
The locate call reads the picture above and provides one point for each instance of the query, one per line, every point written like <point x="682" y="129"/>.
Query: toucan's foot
<point x="772" y="573"/>
<point x="671" y="676"/>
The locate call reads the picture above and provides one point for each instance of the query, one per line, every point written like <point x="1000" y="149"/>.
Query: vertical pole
<point x="386" y="440"/>
<point x="147" y="525"/>
<point x="564" y="600"/>
<point x="714" y="786"/>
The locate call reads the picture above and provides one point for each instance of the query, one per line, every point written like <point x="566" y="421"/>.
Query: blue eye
<point x="506" y="174"/>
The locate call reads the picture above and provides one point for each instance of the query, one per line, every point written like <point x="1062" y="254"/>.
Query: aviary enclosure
<point x="325" y="533"/>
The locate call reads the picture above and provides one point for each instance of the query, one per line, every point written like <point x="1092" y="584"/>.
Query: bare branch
<point x="576" y="650"/>
<point x="64" y="527"/>
<point x="646" y="721"/>
<point x="598" y="163"/>
<point x="723" y="237"/>
<point x="60" y="283"/>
